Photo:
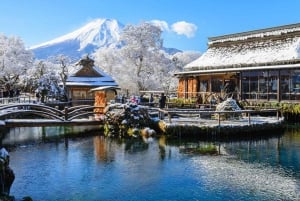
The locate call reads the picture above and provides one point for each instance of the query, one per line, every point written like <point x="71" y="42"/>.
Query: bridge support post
<point x="66" y="113"/>
<point x="249" y="119"/>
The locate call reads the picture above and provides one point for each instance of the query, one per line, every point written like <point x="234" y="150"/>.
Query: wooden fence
<point x="219" y="114"/>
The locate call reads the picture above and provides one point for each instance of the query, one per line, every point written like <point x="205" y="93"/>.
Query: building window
<point x="216" y="85"/>
<point x="262" y="84"/>
<point x="285" y="84"/>
<point x="250" y="85"/>
<point x="295" y="85"/>
<point x="273" y="85"/>
<point x="203" y="86"/>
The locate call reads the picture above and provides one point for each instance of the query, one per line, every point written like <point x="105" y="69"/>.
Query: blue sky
<point x="38" y="21"/>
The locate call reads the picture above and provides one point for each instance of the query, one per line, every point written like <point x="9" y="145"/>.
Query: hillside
<point x="85" y="40"/>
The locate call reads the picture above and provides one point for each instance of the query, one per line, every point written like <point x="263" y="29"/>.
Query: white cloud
<point x="163" y="25"/>
<point x="184" y="28"/>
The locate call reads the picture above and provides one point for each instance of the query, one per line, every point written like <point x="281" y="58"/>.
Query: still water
<point x="96" y="168"/>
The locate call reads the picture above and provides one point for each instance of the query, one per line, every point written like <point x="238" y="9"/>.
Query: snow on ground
<point x="205" y="122"/>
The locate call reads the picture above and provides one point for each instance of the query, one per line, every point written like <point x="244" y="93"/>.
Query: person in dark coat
<point x="199" y="101"/>
<point x="151" y="100"/>
<point x="162" y="101"/>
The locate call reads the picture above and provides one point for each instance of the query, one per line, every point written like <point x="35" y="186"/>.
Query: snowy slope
<point x="96" y="34"/>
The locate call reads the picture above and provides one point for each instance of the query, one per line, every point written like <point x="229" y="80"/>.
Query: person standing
<point x="151" y="99"/>
<point x="198" y="101"/>
<point x="162" y="101"/>
<point x="162" y="104"/>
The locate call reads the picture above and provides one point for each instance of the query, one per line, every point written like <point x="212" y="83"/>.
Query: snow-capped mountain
<point x="96" y="34"/>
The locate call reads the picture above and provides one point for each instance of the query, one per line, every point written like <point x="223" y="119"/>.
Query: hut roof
<point x="89" y="75"/>
<point x="265" y="47"/>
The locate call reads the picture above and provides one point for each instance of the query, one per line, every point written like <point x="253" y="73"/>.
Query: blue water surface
<point x="102" y="169"/>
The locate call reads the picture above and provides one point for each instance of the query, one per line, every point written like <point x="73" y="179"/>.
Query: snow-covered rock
<point x="228" y="105"/>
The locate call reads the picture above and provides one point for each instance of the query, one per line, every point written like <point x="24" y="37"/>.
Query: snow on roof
<point x="274" y="31"/>
<point x="95" y="79"/>
<point x="91" y="84"/>
<point x="250" y="52"/>
<point x="90" y="79"/>
<point x="105" y="88"/>
<point x="104" y="80"/>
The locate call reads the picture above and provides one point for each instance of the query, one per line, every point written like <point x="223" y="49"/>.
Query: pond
<point x="96" y="168"/>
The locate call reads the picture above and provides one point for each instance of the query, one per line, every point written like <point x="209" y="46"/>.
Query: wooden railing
<point x="199" y="112"/>
<point x="67" y="114"/>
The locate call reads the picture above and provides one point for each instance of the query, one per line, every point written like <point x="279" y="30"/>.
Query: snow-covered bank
<point x="211" y="128"/>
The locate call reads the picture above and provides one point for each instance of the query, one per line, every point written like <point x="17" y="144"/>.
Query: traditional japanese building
<point x="259" y="65"/>
<point x="87" y="77"/>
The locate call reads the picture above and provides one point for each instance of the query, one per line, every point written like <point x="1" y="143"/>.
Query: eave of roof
<point x="256" y="33"/>
<point x="103" y="88"/>
<point x="91" y="84"/>
<point x="90" y="79"/>
<point x="239" y="69"/>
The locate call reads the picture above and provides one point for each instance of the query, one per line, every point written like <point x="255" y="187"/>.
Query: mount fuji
<point x="99" y="33"/>
<point x="85" y="40"/>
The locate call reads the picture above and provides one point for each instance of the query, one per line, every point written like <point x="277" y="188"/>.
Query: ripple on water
<point x="255" y="180"/>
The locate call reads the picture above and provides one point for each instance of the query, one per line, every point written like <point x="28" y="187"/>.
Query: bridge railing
<point x="67" y="114"/>
<point x="80" y="111"/>
<point x="18" y="99"/>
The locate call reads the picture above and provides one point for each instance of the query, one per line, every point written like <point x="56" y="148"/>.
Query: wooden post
<point x="66" y="113"/>
<point x="249" y="120"/>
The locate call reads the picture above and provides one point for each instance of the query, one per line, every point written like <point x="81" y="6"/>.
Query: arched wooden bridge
<point x="12" y="115"/>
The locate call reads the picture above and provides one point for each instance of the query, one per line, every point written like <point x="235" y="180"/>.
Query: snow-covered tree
<point x="63" y="68"/>
<point x="109" y="59"/>
<point x="44" y="78"/>
<point x="15" y="60"/>
<point x="134" y="64"/>
<point x="142" y="44"/>
<point x="181" y="59"/>
<point x="140" y="63"/>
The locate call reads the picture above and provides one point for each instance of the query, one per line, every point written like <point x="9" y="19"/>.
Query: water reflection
<point x="100" y="168"/>
<point x="28" y="135"/>
<point x="104" y="149"/>
<point x="282" y="151"/>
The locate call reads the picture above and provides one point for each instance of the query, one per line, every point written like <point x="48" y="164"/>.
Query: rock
<point x="228" y="105"/>
<point x="7" y="175"/>
<point x="27" y="198"/>
<point x="126" y="119"/>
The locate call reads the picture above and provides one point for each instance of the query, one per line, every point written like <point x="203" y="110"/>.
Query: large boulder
<point x="7" y="175"/>
<point x="229" y="104"/>
<point x="127" y="120"/>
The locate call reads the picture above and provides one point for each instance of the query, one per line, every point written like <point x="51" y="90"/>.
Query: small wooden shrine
<point x="87" y="77"/>
<point x="104" y="96"/>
